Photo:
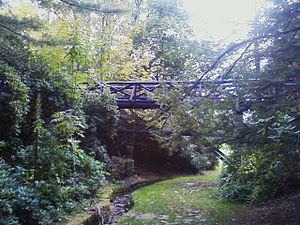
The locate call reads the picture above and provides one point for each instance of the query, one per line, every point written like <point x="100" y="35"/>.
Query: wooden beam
<point x="133" y="93"/>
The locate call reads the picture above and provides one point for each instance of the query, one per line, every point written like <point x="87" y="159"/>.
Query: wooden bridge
<point x="144" y="94"/>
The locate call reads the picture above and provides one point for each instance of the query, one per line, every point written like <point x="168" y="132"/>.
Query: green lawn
<point x="170" y="202"/>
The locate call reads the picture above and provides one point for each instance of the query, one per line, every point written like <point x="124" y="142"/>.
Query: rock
<point x="188" y="221"/>
<point x="163" y="217"/>
<point x="194" y="214"/>
<point x="146" y="216"/>
<point x="120" y="206"/>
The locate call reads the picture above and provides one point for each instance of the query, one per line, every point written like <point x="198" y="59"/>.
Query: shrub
<point x="256" y="175"/>
<point x="46" y="171"/>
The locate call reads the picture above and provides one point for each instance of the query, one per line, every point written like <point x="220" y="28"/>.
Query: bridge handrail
<point x="226" y="81"/>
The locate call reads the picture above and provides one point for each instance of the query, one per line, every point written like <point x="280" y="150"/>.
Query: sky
<point x="223" y="21"/>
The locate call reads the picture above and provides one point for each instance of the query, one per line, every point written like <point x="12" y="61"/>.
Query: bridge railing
<point x="144" y="94"/>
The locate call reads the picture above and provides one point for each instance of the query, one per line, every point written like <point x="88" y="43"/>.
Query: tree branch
<point x="237" y="46"/>
<point x="13" y="31"/>
<point x="107" y="11"/>
<point x="231" y="68"/>
<point x="229" y="50"/>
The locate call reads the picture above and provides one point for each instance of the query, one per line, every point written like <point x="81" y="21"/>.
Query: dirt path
<point x="280" y="211"/>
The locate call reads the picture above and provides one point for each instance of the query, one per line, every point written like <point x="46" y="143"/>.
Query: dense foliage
<point x="47" y="168"/>
<point x="54" y="121"/>
<point x="257" y="119"/>
<point x="265" y="163"/>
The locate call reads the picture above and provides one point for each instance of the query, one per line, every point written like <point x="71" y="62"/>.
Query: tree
<point x="44" y="115"/>
<point x="266" y="161"/>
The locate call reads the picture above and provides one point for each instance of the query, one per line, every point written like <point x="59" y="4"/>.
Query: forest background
<point x="54" y="126"/>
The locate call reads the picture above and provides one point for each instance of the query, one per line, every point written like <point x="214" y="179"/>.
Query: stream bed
<point x="120" y="206"/>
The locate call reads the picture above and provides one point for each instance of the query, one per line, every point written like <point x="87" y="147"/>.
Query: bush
<point x="102" y="117"/>
<point x="17" y="200"/>
<point x="55" y="184"/>
<point x="256" y="175"/>
<point x="46" y="170"/>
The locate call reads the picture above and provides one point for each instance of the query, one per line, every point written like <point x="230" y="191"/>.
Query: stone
<point x="163" y="217"/>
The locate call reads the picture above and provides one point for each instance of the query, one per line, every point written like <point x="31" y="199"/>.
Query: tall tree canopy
<point x="54" y="121"/>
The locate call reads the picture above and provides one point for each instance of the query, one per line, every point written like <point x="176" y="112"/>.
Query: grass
<point x="168" y="202"/>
